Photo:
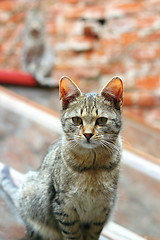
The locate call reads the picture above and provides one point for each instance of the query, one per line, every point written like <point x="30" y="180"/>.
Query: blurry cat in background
<point x="38" y="58"/>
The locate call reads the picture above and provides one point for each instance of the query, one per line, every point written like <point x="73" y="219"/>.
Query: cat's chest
<point x="90" y="183"/>
<point x="88" y="200"/>
<point x="90" y="191"/>
<point x="88" y="207"/>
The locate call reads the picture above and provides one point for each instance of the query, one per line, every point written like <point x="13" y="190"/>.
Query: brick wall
<point x="95" y="41"/>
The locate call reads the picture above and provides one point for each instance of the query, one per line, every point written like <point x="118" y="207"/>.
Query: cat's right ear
<point x="68" y="91"/>
<point x="113" y="92"/>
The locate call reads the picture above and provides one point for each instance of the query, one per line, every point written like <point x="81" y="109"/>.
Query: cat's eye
<point x="101" y="121"/>
<point x="77" y="121"/>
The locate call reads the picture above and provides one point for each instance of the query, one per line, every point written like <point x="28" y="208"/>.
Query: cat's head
<point x="34" y="26"/>
<point x="91" y="120"/>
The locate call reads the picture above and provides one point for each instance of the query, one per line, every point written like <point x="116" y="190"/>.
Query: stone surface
<point x="138" y="204"/>
<point x="10" y="226"/>
<point x="23" y="143"/>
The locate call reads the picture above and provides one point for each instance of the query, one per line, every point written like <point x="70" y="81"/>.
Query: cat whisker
<point x="110" y="146"/>
<point x="71" y="142"/>
<point x="107" y="147"/>
<point x="113" y="145"/>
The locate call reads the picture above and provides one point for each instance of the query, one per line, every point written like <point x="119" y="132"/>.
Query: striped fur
<point x="72" y="194"/>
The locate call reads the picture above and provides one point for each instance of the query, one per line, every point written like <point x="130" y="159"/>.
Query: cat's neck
<point x="81" y="158"/>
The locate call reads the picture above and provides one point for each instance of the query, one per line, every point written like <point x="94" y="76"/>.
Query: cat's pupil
<point x="77" y="120"/>
<point x="101" y="121"/>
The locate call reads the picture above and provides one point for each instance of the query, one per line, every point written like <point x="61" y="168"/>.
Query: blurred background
<point x="91" y="42"/>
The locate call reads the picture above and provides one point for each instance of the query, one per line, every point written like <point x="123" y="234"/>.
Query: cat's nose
<point x="88" y="135"/>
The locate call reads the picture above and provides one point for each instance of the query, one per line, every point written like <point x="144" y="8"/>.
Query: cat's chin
<point x="88" y="145"/>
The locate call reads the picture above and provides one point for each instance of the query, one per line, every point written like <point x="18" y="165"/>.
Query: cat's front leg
<point x="95" y="228"/>
<point x="31" y="235"/>
<point x="69" y="224"/>
<point x="94" y="231"/>
<point x="97" y="224"/>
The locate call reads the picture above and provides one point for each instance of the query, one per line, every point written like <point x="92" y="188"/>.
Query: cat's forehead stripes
<point x="89" y="106"/>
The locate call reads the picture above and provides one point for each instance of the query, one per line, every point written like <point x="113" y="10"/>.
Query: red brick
<point x="158" y="53"/>
<point x="81" y="11"/>
<point x="153" y="37"/>
<point x="86" y="72"/>
<point x="114" y="68"/>
<point x="145" y="53"/>
<point x="70" y="1"/>
<point x="6" y="5"/>
<point x="134" y="111"/>
<point x="130" y="7"/>
<point x="146" y="99"/>
<point x="153" y="117"/>
<point x="52" y="28"/>
<point x="18" y="18"/>
<point x="141" y="99"/>
<point x="65" y="28"/>
<point x="157" y="100"/>
<point x="2" y="58"/>
<point x="146" y="21"/>
<point x="81" y="43"/>
<point x="63" y="70"/>
<point x="129" y="99"/>
<point x="148" y="82"/>
<point x="108" y="42"/>
<point x="74" y="13"/>
<point x="129" y="38"/>
<point x="95" y="12"/>
<point x="89" y="54"/>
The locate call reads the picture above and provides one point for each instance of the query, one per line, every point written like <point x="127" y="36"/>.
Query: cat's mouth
<point x="89" y="144"/>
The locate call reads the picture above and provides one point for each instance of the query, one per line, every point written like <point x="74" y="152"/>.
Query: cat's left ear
<point x="113" y="91"/>
<point x="68" y="91"/>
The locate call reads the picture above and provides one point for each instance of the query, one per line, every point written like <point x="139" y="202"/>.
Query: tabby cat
<point x="38" y="57"/>
<point x="72" y="194"/>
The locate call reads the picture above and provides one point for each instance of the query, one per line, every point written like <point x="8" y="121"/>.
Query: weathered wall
<point x="95" y="41"/>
